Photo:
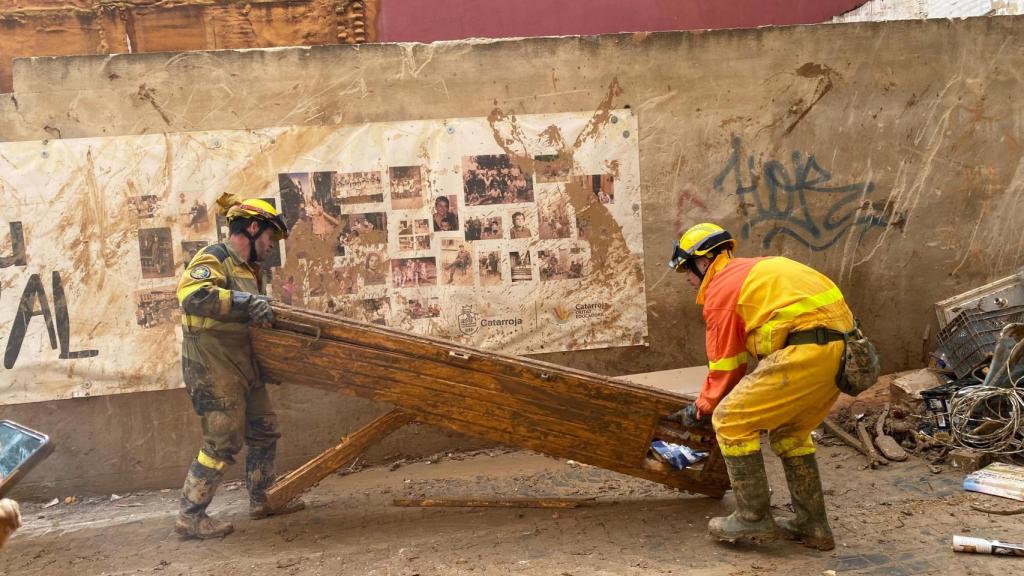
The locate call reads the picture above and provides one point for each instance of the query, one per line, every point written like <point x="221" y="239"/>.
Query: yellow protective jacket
<point x="750" y="307"/>
<point x="204" y="291"/>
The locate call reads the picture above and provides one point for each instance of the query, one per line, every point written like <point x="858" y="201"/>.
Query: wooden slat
<point x="309" y="474"/>
<point x="511" y="400"/>
<point x="453" y="383"/>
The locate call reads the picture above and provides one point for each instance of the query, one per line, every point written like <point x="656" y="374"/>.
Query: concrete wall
<point x="915" y="125"/>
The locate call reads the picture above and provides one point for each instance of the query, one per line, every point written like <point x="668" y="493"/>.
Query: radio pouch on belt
<point x="859" y="368"/>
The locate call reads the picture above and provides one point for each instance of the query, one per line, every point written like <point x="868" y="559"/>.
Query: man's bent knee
<point x="791" y="446"/>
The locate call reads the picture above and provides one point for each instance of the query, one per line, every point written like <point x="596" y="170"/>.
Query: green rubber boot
<point x="810" y="525"/>
<point x="192" y="522"/>
<point x="259" y="476"/>
<point x="752" y="519"/>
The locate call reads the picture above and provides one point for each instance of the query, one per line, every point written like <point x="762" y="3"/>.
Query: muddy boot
<point x="810" y="525"/>
<point x="752" y="519"/>
<point x="200" y="485"/>
<point x="259" y="476"/>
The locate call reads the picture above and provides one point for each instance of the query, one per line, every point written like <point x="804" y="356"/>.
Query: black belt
<point x="819" y="336"/>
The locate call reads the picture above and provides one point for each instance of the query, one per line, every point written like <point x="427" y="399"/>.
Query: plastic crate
<point x="969" y="339"/>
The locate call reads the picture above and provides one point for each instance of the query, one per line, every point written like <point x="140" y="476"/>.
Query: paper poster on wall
<point x="513" y="233"/>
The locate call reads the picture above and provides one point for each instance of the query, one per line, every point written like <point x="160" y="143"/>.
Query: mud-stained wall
<point x="886" y="154"/>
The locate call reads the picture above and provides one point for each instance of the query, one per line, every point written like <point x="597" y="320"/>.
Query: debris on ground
<point x="982" y="546"/>
<point x="997" y="479"/>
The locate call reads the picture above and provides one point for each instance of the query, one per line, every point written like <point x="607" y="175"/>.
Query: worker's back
<point x="774" y="296"/>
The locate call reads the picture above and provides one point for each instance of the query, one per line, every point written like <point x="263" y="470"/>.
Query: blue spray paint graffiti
<point x="786" y="207"/>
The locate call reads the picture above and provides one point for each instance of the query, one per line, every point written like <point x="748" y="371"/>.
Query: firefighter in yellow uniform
<point x="220" y="293"/>
<point x="792" y="319"/>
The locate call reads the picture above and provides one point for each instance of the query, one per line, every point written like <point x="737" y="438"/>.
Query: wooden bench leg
<point x="309" y="474"/>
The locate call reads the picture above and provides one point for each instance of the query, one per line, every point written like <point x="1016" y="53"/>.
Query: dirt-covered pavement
<point x="896" y="520"/>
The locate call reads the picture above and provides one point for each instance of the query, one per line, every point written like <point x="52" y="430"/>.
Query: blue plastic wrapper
<point x="678" y="456"/>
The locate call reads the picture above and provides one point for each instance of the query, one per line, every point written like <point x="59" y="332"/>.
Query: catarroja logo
<point x="468" y="324"/>
<point x="560" y="313"/>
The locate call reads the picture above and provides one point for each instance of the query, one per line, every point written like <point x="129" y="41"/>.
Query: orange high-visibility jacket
<point x="750" y="307"/>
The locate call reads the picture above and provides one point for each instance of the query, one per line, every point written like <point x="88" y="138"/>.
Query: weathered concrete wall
<point x="892" y="152"/>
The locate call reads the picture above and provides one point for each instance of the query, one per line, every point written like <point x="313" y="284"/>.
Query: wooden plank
<point x="511" y="400"/>
<point x="417" y="378"/>
<point x="489" y="502"/>
<point x="309" y="474"/>
<point x="558" y="378"/>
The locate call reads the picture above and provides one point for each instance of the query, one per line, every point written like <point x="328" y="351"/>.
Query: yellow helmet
<point x="700" y="240"/>
<point x="234" y="207"/>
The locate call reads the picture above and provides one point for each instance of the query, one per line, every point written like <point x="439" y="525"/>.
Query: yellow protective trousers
<point x="788" y="395"/>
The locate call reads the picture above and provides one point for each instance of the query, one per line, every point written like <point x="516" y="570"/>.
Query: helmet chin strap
<point x="252" y="240"/>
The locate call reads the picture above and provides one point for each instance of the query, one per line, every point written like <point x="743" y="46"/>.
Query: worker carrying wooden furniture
<point x="221" y="292"/>
<point x="792" y="320"/>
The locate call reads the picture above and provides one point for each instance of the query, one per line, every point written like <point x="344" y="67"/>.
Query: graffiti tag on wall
<point x="789" y="200"/>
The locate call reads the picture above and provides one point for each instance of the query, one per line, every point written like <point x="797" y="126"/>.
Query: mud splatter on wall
<point x="494" y="232"/>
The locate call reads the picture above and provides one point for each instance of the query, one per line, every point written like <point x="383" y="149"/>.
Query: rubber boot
<point x="752" y="519"/>
<point x="810" y="525"/>
<point x="259" y="476"/>
<point x="192" y="522"/>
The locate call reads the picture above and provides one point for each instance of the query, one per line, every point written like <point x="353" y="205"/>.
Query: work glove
<point x="255" y="305"/>
<point x="689" y="419"/>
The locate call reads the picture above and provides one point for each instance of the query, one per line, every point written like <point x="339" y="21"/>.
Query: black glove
<point x="255" y="305"/>
<point x="689" y="419"/>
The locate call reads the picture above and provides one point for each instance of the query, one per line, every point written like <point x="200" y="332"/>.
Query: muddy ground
<point x="892" y="521"/>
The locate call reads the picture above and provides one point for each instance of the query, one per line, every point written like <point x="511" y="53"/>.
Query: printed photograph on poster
<point x="374" y="269"/>
<point x="495" y="179"/>
<point x="364" y="229"/>
<point x="446" y="214"/>
<point x="553" y="212"/>
<point x="288" y="290"/>
<point x="456" y="263"/>
<point x="293" y="189"/>
<point x="487" y="227"/>
<point x="323" y="224"/>
<point x="156" y="252"/>
<point x="561" y="263"/>
<point x="376" y="310"/>
<point x="552" y="167"/>
<point x="156" y="308"/>
<point x="358" y="188"/>
<point x="406" y="187"/>
<point x="198" y="217"/>
<point x="582" y="227"/>
<point x="343" y="279"/>
<point x="142" y="207"/>
<point x="490" y="268"/>
<point x="521" y="266"/>
<point x="273" y="258"/>
<point x="419" y="308"/>
<point x="323" y="193"/>
<point x="189" y="249"/>
<point x="601" y="186"/>
<point x="414" y="235"/>
<point x="414" y="272"/>
<point x="523" y="225"/>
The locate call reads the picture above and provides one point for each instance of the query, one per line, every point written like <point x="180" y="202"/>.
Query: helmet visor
<point x="679" y="259"/>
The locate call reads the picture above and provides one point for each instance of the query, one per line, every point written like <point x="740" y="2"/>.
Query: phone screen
<point x="16" y="447"/>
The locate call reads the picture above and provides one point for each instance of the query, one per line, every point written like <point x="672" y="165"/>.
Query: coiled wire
<point x="988" y="419"/>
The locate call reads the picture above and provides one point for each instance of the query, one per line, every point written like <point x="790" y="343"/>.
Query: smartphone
<point x="21" y="449"/>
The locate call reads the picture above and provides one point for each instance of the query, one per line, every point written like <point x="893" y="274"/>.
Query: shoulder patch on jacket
<point x="201" y="272"/>
<point x="218" y="251"/>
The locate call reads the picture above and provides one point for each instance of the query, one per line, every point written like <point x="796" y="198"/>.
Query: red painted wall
<point x="430" y="20"/>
